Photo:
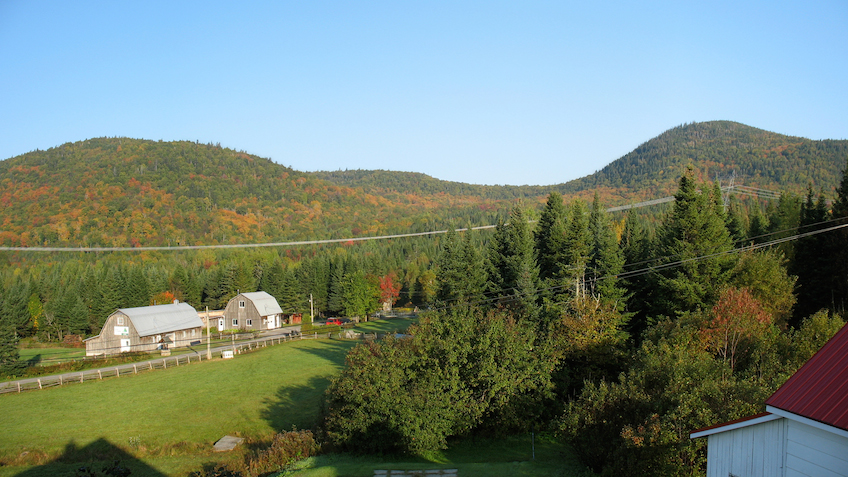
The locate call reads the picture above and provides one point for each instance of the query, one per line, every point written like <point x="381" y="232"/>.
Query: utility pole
<point x="311" y="310"/>
<point x="208" y="337"/>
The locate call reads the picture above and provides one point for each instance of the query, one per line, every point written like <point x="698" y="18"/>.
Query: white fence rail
<point x="77" y="377"/>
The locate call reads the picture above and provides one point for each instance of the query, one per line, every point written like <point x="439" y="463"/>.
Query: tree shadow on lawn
<point x="296" y="406"/>
<point x="100" y="458"/>
<point x="300" y="405"/>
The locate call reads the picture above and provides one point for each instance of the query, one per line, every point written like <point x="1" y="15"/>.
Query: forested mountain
<point x="131" y="192"/>
<point x="128" y="192"/>
<point x="759" y="158"/>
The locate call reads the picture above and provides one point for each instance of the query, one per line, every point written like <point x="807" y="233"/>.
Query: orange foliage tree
<point x="736" y="317"/>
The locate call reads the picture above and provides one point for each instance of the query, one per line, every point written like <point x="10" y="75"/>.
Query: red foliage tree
<point x="735" y="317"/>
<point x="389" y="289"/>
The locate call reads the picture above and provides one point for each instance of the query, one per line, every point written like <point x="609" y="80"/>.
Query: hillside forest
<point x="619" y="332"/>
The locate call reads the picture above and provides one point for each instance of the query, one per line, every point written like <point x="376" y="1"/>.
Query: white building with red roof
<point x="804" y="431"/>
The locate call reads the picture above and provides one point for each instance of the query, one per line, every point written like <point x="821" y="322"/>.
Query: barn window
<point x="120" y="321"/>
<point x="241" y="304"/>
<point x="249" y="322"/>
<point x="235" y="322"/>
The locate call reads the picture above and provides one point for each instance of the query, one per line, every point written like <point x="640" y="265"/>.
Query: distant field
<point x="48" y="356"/>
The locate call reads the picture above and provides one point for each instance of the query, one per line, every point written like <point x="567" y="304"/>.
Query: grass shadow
<point x="99" y="458"/>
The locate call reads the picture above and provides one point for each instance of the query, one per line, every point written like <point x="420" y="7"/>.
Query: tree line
<point x="622" y="340"/>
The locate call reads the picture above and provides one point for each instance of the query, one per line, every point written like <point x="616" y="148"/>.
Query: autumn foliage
<point x="736" y="317"/>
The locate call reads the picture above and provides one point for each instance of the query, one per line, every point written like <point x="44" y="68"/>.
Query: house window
<point x="235" y="322"/>
<point x="241" y="304"/>
<point x="192" y="332"/>
<point x="120" y="321"/>
<point x="249" y="322"/>
<point x="185" y="333"/>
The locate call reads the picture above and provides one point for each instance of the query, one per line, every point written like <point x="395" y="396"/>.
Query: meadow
<point x="165" y="422"/>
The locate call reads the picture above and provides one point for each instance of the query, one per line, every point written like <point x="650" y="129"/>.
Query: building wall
<point x="234" y="312"/>
<point x="753" y="451"/>
<point x="110" y="343"/>
<point x="815" y="452"/>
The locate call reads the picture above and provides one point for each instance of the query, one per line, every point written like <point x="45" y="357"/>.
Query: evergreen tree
<point x="734" y="221"/>
<point x="290" y="299"/>
<point x="335" y="301"/>
<point x="813" y="261"/>
<point x="13" y="308"/>
<point x="137" y="288"/>
<point x="636" y="247"/>
<point x="513" y="273"/>
<point x="10" y="360"/>
<point x="783" y="220"/>
<point x="578" y="247"/>
<point x="839" y="245"/>
<point x="272" y="280"/>
<point x="606" y="260"/>
<point x="693" y="242"/>
<point x="759" y="225"/>
<point x="460" y="274"/>
<point x="550" y="238"/>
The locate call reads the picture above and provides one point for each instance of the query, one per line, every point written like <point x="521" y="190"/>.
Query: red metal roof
<point x="819" y="390"/>
<point x="730" y="423"/>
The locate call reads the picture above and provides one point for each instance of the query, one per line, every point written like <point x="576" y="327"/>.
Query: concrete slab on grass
<point x="227" y="443"/>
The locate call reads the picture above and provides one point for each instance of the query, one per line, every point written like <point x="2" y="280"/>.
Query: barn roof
<point x="159" y="319"/>
<point x="819" y="390"/>
<point x="265" y="304"/>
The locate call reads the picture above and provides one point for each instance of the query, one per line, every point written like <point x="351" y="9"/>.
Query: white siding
<point x="814" y="452"/>
<point x="753" y="451"/>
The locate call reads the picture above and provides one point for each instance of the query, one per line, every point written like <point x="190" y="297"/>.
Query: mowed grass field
<point x="178" y="411"/>
<point x="163" y="423"/>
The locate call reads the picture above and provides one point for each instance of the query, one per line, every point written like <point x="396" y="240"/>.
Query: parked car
<point x="334" y="321"/>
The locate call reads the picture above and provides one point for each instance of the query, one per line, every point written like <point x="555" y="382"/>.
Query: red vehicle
<point x="334" y="321"/>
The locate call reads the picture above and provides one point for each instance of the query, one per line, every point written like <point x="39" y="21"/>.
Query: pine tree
<point x="636" y="247"/>
<point x="460" y="273"/>
<point x="734" y="221"/>
<point x="839" y="245"/>
<point x="289" y="297"/>
<point x="578" y="247"/>
<point x="550" y="238"/>
<point x="335" y="301"/>
<point x="693" y="242"/>
<point x="759" y="225"/>
<point x="813" y="260"/>
<point x="606" y="260"/>
<point x="513" y="273"/>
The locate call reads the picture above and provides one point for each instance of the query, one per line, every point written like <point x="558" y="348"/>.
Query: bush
<point x="285" y="449"/>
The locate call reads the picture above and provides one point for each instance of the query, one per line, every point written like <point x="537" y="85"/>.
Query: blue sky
<point x="480" y="92"/>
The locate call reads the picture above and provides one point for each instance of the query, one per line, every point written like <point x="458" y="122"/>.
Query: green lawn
<point x="385" y="326"/>
<point x="48" y="356"/>
<point x="511" y="456"/>
<point x="180" y="410"/>
<point x="164" y="422"/>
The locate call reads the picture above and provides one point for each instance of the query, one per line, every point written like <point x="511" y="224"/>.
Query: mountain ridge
<point x="134" y="192"/>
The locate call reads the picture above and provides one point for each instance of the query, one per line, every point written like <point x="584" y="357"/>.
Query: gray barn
<point x="146" y="328"/>
<point x="251" y="312"/>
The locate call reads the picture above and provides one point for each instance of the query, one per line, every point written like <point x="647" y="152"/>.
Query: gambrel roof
<point x="819" y="390"/>
<point x="160" y="319"/>
<point x="265" y="304"/>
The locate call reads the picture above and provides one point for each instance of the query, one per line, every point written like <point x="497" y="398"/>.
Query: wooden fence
<point x="76" y="377"/>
